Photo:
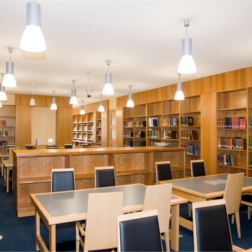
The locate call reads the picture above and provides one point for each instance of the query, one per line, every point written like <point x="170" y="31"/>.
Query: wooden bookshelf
<point x="98" y="128"/>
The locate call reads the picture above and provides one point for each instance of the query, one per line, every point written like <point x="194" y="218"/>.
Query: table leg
<point x="4" y="171"/>
<point x="1" y="166"/>
<point x="37" y="229"/>
<point x="175" y="227"/>
<point x="52" y="238"/>
<point x="7" y="180"/>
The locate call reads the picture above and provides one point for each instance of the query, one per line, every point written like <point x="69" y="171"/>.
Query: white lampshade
<point x="73" y="100"/>
<point x="32" y="102"/>
<point x="53" y="106"/>
<point x="9" y="80"/>
<point x="108" y="89"/>
<point x="82" y="112"/>
<point x="101" y="108"/>
<point x="3" y="96"/>
<point x="33" y="39"/>
<point x="179" y="96"/>
<point x="0" y="104"/>
<point x="187" y="65"/>
<point x="130" y="104"/>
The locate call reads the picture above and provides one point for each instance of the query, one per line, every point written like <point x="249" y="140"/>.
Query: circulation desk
<point x="32" y="168"/>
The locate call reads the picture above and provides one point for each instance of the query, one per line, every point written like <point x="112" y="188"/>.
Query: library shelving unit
<point x="234" y="103"/>
<point x="191" y="107"/>
<point x="98" y="128"/>
<point x="7" y="123"/>
<point x="140" y="125"/>
<point x="128" y="126"/>
<point x="84" y="129"/>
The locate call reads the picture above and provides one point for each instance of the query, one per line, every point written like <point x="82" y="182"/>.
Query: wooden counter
<point x="32" y="168"/>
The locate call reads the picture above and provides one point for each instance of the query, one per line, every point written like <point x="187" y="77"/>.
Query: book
<point x="190" y="121"/>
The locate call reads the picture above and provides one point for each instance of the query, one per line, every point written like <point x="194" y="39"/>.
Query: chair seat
<point x="247" y="198"/>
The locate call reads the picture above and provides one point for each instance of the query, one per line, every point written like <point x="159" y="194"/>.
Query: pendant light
<point x="54" y="105"/>
<point x="9" y="79"/>
<point x="130" y="103"/>
<point x="32" y="101"/>
<point x="89" y="89"/>
<point x="179" y="96"/>
<point x="33" y="39"/>
<point x="108" y="88"/>
<point x="3" y="96"/>
<point x="187" y="64"/>
<point x="0" y="104"/>
<point x="73" y="99"/>
<point x="101" y="108"/>
<point x="82" y="112"/>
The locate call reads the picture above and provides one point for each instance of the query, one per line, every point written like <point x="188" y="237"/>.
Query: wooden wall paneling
<point x="168" y="92"/>
<point x="119" y="126"/>
<point x="139" y="98"/>
<point x="154" y="95"/>
<point x="63" y="125"/>
<point x="23" y="125"/>
<point x="84" y="183"/>
<point x="104" y="129"/>
<point x="209" y="132"/>
<point x="131" y="161"/>
<point x="192" y="88"/>
<point x="122" y="101"/>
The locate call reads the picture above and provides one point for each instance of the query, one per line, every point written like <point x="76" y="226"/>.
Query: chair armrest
<point x="238" y="249"/>
<point x="82" y="232"/>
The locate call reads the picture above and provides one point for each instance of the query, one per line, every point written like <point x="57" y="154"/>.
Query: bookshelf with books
<point x="7" y="123"/>
<point x="190" y="129"/>
<point x="249" y="134"/>
<point x="232" y="131"/>
<point x="128" y="127"/>
<point x="140" y="125"/>
<point x="98" y="128"/>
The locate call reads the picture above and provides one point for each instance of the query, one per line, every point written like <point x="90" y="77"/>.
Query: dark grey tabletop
<point x="75" y="202"/>
<point x="207" y="184"/>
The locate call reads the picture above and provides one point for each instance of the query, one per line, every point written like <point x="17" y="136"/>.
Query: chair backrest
<point x="139" y="232"/>
<point x="104" y="176"/>
<point x="101" y="226"/>
<point x="159" y="197"/>
<point x="68" y="146"/>
<point x="163" y="171"/>
<point x="11" y="152"/>
<point x="30" y="147"/>
<point x="8" y="146"/>
<point x="62" y="180"/>
<point x="198" y="168"/>
<point x="233" y="192"/>
<point x="211" y="231"/>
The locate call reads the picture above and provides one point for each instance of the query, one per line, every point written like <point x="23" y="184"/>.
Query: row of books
<point x="186" y="121"/>
<point x="140" y="123"/>
<point x="153" y="122"/>
<point x="232" y="123"/>
<point x="235" y="143"/>
<point x="191" y="149"/>
<point x="250" y="161"/>
<point x="150" y="143"/>
<point x="98" y="125"/>
<point x="250" y="142"/>
<point x="154" y="133"/>
<point x="170" y="134"/>
<point x="128" y="133"/>
<point x="250" y="122"/>
<point x="140" y="143"/>
<point x="140" y="134"/>
<point x="98" y="133"/>
<point x="128" y="143"/>
<point x="189" y="135"/>
<point x="128" y="124"/>
<point x="3" y="133"/>
<point x="169" y="121"/>
<point x="225" y="159"/>
<point x="3" y="123"/>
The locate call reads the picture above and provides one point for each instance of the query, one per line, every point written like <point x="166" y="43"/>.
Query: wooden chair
<point x="30" y="147"/>
<point x="198" y="168"/>
<point x="68" y="146"/>
<point x="211" y="230"/>
<point x="163" y="171"/>
<point x="232" y="196"/>
<point x="159" y="197"/>
<point x="101" y="223"/>
<point x="62" y="180"/>
<point x="247" y="201"/>
<point x="104" y="176"/>
<point x="10" y="146"/>
<point x="139" y="232"/>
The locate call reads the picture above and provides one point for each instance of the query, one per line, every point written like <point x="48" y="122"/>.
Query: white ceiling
<point x="141" y="38"/>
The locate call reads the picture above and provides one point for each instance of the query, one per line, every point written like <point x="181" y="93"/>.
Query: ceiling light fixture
<point x="32" y="101"/>
<point x="0" y="104"/>
<point x="33" y="39"/>
<point x="82" y="112"/>
<point x="179" y="96"/>
<point x="101" y="108"/>
<point x="130" y="103"/>
<point x="108" y="88"/>
<point x="54" y="105"/>
<point x="187" y="64"/>
<point x="73" y="99"/>
<point x="3" y="96"/>
<point x="9" y="79"/>
<point x="89" y="89"/>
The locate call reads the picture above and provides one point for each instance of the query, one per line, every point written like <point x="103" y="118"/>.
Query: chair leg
<point x="232" y="218"/>
<point x="249" y="210"/>
<point x="77" y="238"/>
<point x="238" y="224"/>
<point x="167" y="242"/>
<point x="189" y="209"/>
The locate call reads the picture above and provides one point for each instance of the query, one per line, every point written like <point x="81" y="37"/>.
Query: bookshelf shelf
<point x="226" y="109"/>
<point x="236" y="167"/>
<point x="167" y="114"/>
<point x="184" y="140"/>
<point x="141" y="116"/>
<point x="192" y="155"/>
<point x="129" y="117"/>
<point x="190" y="126"/>
<point x="170" y="126"/>
<point x="223" y="149"/>
<point x="170" y="139"/>
<point x="190" y="112"/>
<point x="232" y="129"/>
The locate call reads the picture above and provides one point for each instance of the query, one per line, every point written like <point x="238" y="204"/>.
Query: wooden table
<point x="7" y="166"/>
<point x="63" y="207"/>
<point x="201" y="189"/>
<point x="3" y="155"/>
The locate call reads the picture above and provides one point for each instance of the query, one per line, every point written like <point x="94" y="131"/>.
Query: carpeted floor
<point x="18" y="233"/>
